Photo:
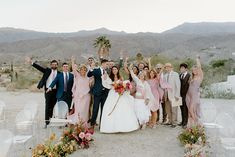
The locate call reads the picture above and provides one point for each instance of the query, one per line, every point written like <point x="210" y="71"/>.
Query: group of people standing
<point x="88" y="88"/>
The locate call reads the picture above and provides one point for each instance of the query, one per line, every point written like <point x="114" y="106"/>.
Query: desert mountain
<point x="210" y="40"/>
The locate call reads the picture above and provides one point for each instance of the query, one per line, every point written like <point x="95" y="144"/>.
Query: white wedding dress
<point x="123" y="118"/>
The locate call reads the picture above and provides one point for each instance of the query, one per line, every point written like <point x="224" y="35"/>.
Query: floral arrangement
<point x="73" y="138"/>
<point x="120" y="87"/>
<point x="194" y="141"/>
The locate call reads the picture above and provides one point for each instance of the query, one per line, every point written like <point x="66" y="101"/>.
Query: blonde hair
<point x="168" y="65"/>
<point x="82" y="66"/>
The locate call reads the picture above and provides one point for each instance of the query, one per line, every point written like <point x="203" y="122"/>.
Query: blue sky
<point x="126" y="15"/>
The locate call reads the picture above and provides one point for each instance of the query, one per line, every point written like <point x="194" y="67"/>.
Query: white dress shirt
<point x="51" y="78"/>
<point x="183" y="75"/>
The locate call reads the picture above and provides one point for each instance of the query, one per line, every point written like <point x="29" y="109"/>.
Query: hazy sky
<point x="126" y="15"/>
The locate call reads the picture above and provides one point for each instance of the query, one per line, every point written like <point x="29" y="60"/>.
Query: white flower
<point x="200" y="139"/>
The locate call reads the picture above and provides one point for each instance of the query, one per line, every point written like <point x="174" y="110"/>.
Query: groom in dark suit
<point x="64" y="84"/>
<point x="184" y="79"/>
<point x="100" y="93"/>
<point x="49" y="75"/>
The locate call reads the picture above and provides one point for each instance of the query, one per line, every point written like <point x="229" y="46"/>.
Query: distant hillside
<point x="8" y="34"/>
<point x="210" y="40"/>
<point x="204" y="28"/>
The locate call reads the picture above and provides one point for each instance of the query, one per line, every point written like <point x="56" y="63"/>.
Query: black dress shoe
<point x="168" y="124"/>
<point x="184" y="126"/>
<point x="89" y="121"/>
<point x="180" y="124"/>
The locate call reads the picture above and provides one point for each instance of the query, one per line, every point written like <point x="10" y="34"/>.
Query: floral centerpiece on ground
<point x="194" y="141"/>
<point x="73" y="138"/>
<point x="78" y="133"/>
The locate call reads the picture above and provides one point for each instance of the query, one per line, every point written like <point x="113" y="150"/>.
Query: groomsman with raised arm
<point x="172" y="94"/>
<point x="184" y="80"/>
<point x="49" y="75"/>
<point x="99" y="92"/>
<point x="64" y="83"/>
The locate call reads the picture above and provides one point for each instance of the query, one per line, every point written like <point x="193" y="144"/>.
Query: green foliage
<point x="217" y="71"/>
<point x="209" y="93"/>
<point x="102" y="41"/>
<point x="190" y="62"/>
<point x="139" y="57"/>
<point x="218" y="63"/>
<point x="24" y="79"/>
<point x="193" y="135"/>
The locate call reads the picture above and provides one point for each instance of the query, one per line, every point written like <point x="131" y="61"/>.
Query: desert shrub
<point x="218" y="63"/>
<point x="25" y="79"/>
<point x="207" y="92"/>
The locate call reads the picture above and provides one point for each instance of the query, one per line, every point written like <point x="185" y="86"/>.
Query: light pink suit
<point x="81" y="98"/>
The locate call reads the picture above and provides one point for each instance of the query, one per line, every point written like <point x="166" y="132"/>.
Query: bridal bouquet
<point x="120" y="87"/>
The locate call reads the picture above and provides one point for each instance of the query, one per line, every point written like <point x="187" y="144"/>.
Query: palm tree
<point x="104" y="45"/>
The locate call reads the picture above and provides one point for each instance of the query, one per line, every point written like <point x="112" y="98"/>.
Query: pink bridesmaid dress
<point x="81" y="98"/>
<point x="157" y="93"/>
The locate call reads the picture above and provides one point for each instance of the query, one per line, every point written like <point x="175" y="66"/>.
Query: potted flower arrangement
<point x="194" y="141"/>
<point x="73" y="138"/>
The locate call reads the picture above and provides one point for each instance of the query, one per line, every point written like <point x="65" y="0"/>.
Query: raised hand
<point x="28" y="60"/>
<point x="198" y="56"/>
<point x="48" y="90"/>
<point x="130" y="67"/>
<point x="92" y="65"/>
<point x="73" y="59"/>
<point x="121" y="54"/>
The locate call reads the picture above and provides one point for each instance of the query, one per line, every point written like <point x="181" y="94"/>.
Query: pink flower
<point x="88" y="136"/>
<point x="82" y="135"/>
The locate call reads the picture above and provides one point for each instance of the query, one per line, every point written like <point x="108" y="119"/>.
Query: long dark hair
<point x="112" y="76"/>
<point x="138" y="71"/>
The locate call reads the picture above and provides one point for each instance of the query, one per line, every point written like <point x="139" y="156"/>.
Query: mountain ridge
<point x="17" y="43"/>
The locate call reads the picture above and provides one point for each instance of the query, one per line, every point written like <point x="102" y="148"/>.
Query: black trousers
<point x="66" y="97"/>
<point x="184" y="111"/>
<point x="164" y="114"/>
<point x="98" y="102"/>
<point x="50" y="101"/>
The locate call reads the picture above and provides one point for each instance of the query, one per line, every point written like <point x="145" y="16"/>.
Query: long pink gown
<point x="193" y="102"/>
<point x="81" y="88"/>
<point x="157" y="93"/>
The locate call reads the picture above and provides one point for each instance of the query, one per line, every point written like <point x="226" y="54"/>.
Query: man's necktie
<point x="65" y="82"/>
<point x="53" y="74"/>
<point x="168" y="75"/>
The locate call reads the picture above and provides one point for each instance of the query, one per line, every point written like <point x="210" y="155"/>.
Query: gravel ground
<point x="159" y="142"/>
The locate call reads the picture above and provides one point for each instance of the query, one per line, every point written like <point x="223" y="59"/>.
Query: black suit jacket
<point x="184" y="84"/>
<point x="46" y="73"/>
<point x="98" y="89"/>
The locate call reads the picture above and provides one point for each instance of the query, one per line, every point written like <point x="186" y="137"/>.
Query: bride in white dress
<point x="118" y="112"/>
